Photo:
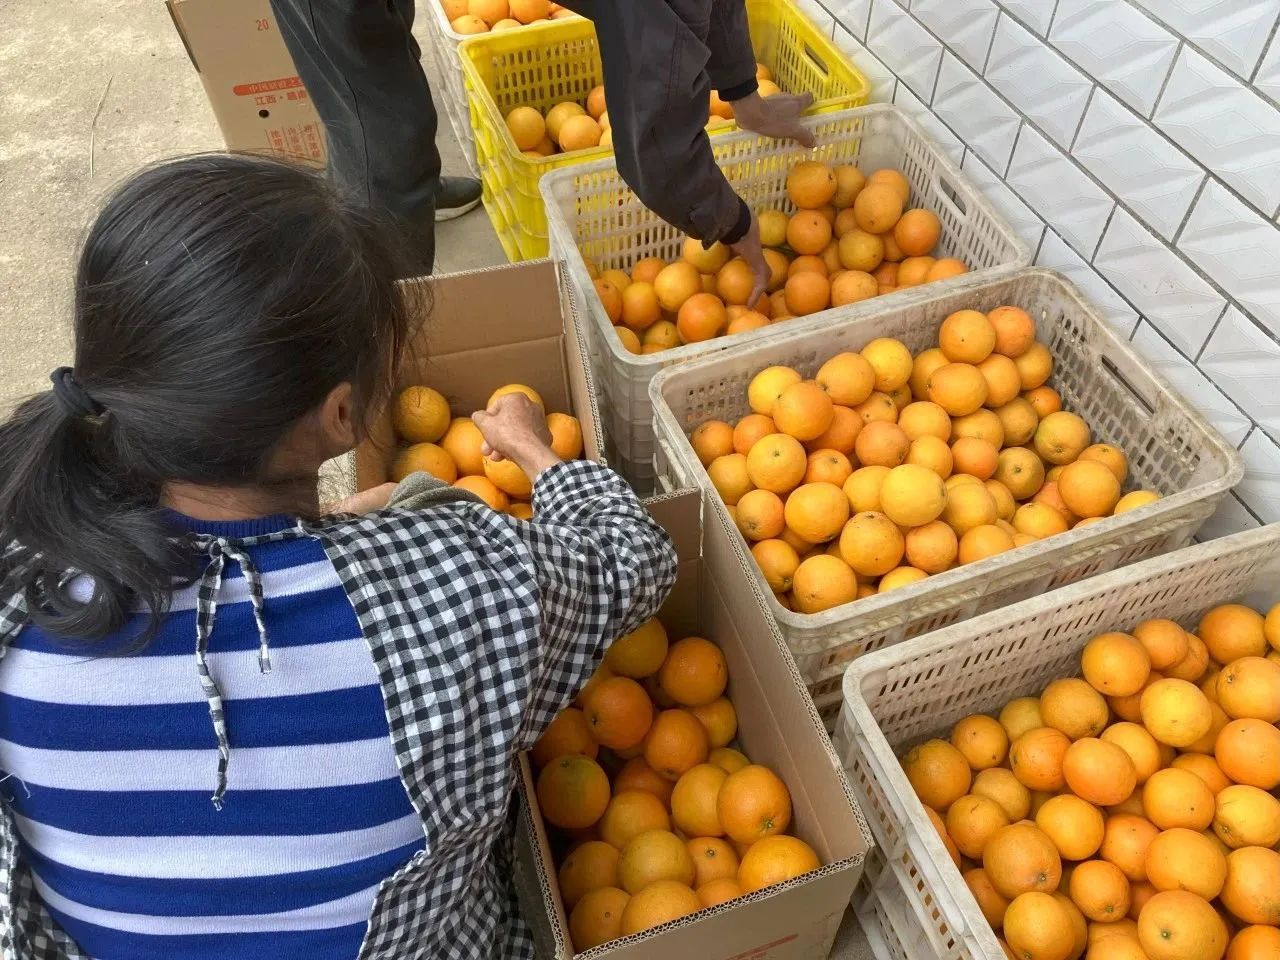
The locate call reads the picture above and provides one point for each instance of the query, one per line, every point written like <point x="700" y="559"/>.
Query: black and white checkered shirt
<point x="482" y="629"/>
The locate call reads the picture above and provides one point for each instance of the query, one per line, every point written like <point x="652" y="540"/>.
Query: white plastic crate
<point x="913" y="903"/>
<point x="592" y="213"/>
<point x="1171" y="449"/>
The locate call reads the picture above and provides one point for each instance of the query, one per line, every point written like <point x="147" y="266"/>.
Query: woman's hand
<point x="515" y="428"/>
<point x="366" y="501"/>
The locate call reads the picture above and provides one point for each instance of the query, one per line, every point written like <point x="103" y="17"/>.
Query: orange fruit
<point x="658" y="903"/>
<point x="1135" y="499"/>
<point x="849" y="181"/>
<point x="640" y="653"/>
<point x="1232" y="631"/>
<point x="1074" y="825"/>
<point x="676" y="743"/>
<point x="1089" y="488"/>
<point x="891" y="178"/>
<point x="811" y="184"/>
<point x="1206" y="768"/>
<point x="773" y="860"/>
<point x="842" y="435"/>
<point x="969" y="506"/>
<point x="858" y="249"/>
<point x="1122" y="930"/>
<point x="462" y="441"/>
<point x="1015" y="330"/>
<point x="526" y="126"/>
<point x="573" y="792"/>
<point x="420" y="415"/>
<point x="1165" y="642"/>
<point x="922" y="368"/>
<point x="618" y="712"/>
<point x="822" y="582"/>
<point x="932" y="547"/>
<point x="693" y="801"/>
<point x="871" y="544"/>
<point x="982" y="542"/>
<point x="1175" y="712"/>
<point x="579" y="133"/>
<point x="588" y="867"/>
<point x="946" y="268"/>
<point x="654" y="856"/>
<point x="891" y="361"/>
<point x="807" y="293"/>
<point x="1039" y="520"/>
<point x="1017" y="417"/>
<point x="938" y="772"/>
<point x="982" y="740"/>
<point x="694" y="672"/>
<point x="566" y="435"/>
<point x="803" y="410"/>
<point x="1115" y="664"/>
<point x="1182" y="859"/>
<point x="1191" y="667"/>
<point x="759" y="515"/>
<point x="711" y="440"/>
<point x="569" y="733"/>
<point x="631" y="813"/>
<point x="1061" y="437"/>
<point x="981" y="424"/>
<point x="719" y="891"/>
<point x="941" y="828"/>
<point x="808" y="263"/>
<point x="753" y="803"/>
<point x="828" y="466"/>
<point x="629" y="340"/>
<point x="817" y="511"/>
<point x="1252" y="888"/>
<point x="1178" y="798"/>
<point x="990" y="901"/>
<point x="641" y="311"/>
<point x="1000" y="784"/>
<point x="611" y="298"/>
<point x="1271" y="627"/>
<point x="911" y="495"/>
<point x="900" y="577"/>
<point x="676" y="283"/>
<point x="1074" y="707"/>
<point x="703" y="259"/>
<point x="1178" y="925"/>
<point x="1248" y="751"/>
<point x="1249" y="688"/>
<point x="1100" y="891"/>
<point x="636" y="774"/>
<point x="914" y="271"/>
<point x="958" y="388"/>
<point x="976" y="457"/>
<point x="852" y="286"/>
<point x="752" y="427"/>
<point x="484" y="488"/>
<point x="425" y="458"/>
<point x="1112" y="458"/>
<point x="778" y="562"/>
<point x="728" y="759"/>
<point x="1036" y="927"/>
<point x="1141" y="747"/>
<point x="1036" y="757"/>
<point x="879" y="407"/>
<point x="1002" y="380"/>
<point x="1255" y="943"/>
<point x="719" y="719"/>
<point x="877" y="208"/>
<point x="1099" y="772"/>
<point x="713" y="859"/>
<point x="848" y="378"/>
<point x="917" y="231"/>
<point x="1043" y="400"/>
<point x="808" y="232"/>
<point x="1125" y="842"/>
<point x="777" y="463"/>
<point x="967" y="336"/>
<point x="1021" y="470"/>
<point x="883" y="444"/>
<point x="701" y="317"/>
<point x="1246" y="815"/>
<point x="1020" y="858"/>
<point x="597" y="917"/>
<point x="734" y="282"/>
<point x="863" y="488"/>
<point x="1035" y="367"/>
<point x="925" y="419"/>
<point x="971" y="820"/>
<point x="731" y="477"/>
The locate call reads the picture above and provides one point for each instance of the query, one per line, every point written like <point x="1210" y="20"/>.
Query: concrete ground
<point x="91" y="93"/>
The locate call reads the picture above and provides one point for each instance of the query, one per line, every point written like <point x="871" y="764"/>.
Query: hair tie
<point x="72" y="395"/>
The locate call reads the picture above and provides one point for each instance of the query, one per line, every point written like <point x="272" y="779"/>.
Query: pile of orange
<point x="850" y="238"/>
<point x="1131" y="813"/>
<point x="483" y="16"/>
<point x="662" y="816"/>
<point x="886" y="468"/>
<point x="449" y="447"/>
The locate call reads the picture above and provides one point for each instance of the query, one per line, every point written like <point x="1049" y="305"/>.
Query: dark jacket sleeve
<point x="661" y="60"/>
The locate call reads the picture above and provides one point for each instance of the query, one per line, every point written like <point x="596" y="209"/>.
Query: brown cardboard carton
<point x="258" y="100"/>
<point x="777" y="726"/>
<point x="488" y="328"/>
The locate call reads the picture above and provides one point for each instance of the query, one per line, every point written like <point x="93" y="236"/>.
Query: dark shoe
<point x="456" y="196"/>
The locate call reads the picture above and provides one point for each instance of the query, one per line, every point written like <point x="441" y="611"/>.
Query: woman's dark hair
<point x="218" y="300"/>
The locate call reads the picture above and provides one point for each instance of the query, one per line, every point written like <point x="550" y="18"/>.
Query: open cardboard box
<point x="777" y="726"/>
<point x="488" y="328"/>
<point x="248" y="75"/>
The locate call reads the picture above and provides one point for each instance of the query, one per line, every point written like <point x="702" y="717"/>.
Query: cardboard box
<point x="249" y="77"/>
<point x="488" y="328"/>
<point x="777" y="726"/>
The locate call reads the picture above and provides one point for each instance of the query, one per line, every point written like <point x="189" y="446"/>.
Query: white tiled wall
<point x="1135" y="145"/>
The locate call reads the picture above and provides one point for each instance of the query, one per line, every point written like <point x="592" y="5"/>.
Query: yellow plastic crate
<point x="561" y="61"/>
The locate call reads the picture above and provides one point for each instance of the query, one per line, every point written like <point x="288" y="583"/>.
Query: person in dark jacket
<point x="662" y="59"/>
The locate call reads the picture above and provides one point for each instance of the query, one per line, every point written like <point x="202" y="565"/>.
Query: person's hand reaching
<point x="777" y="116"/>
<point x="366" y="501"/>
<point x="515" y="428"/>
<point x="750" y="250"/>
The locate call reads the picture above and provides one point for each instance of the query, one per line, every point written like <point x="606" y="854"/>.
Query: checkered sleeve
<point x="603" y="566"/>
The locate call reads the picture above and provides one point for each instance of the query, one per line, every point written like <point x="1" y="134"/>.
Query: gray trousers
<point x="361" y="66"/>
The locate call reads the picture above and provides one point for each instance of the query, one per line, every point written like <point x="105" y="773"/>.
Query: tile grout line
<point x="1164" y="84"/>
<point x="1102" y="235"/>
<point x="1193" y="45"/>
<point x="1212" y="330"/>
<point x="1048" y="27"/>
<point x="1186" y="217"/>
<point x="1083" y="113"/>
<point x="991" y="44"/>
<point x="1262" y="57"/>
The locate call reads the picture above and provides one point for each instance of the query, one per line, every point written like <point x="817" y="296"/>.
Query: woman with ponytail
<point x="232" y="724"/>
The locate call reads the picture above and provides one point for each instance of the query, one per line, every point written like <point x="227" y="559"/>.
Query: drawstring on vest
<point x="219" y="550"/>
